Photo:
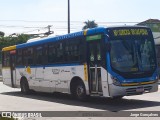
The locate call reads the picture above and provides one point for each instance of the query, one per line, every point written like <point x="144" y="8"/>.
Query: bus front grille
<point x="133" y="91"/>
<point x="147" y="88"/>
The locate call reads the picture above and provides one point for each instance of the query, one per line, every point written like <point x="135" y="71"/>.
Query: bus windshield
<point x="133" y="55"/>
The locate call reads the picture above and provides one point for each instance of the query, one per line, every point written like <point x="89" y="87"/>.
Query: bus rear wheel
<point x="24" y="87"/>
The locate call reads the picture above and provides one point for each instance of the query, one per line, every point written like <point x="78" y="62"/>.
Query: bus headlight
<point x="157" y="78"/>
<point x="116" y="81"/>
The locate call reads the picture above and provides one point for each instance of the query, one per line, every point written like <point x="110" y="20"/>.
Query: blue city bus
<point x="107" y="62"/>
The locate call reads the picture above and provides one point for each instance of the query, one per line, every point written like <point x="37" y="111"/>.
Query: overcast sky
<point x="18" y="15"/>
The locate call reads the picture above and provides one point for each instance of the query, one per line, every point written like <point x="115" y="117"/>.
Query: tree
<point x="89" y="24"/>
<point x="2" y="34"/>
<point x="8" y="41"/>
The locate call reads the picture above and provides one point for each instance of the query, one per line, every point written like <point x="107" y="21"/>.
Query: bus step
<point x="96" y="93"/>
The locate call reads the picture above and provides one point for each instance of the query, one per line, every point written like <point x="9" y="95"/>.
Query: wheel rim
<point x="80" y="91"/>
<point x="23" y="87"/>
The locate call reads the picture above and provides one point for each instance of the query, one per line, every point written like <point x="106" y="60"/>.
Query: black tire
<point x="24" y="87"/>
<point x="117" y="98"/>
<point x="79" y="91"/>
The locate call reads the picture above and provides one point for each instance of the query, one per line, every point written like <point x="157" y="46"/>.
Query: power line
<point x="76" y="22"/>
<point x="37" y="21"/>
<point x="30" y="31"/>
<point x="75" y="25"/>
<point x="49" y="29"/>
<point x="67" y="21"/>
<point x="11" y="26"/>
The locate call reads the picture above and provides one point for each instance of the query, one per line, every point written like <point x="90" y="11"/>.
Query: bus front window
<point x="132" y="56"/>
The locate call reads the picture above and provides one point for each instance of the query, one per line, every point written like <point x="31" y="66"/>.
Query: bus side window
<point x="6" y="59"/>
<point x="52" y="53"/>
<point x="66" y="51"/>
<point x="28" y="57"/>
<point x="39" y="55"/>
<point x="25" y="56"/>
<point x="19" y="57"/>
<point x="46" y="54"/>
<point x="72" y="50"/>
<point x="60" y="55"/>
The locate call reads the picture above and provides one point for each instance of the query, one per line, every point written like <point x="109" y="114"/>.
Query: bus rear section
<point x="8" y="66"/>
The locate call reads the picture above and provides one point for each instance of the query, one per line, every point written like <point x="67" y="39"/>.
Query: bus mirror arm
<point x="108" y="46"/>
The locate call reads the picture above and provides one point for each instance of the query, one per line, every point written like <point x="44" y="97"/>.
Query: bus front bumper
<point x="131" y="90"/>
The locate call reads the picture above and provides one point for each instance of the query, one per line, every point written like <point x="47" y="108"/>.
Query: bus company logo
<point x="6" y="114"/>
<point x="65" y="71"/>
<point x="28" y="70"/>
<point x="73" y="69"/>
<point x="55" y="71"/>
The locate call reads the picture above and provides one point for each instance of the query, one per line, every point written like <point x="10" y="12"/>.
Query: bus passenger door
<point x="12" y="66"/>
<point x="94" y="62"/>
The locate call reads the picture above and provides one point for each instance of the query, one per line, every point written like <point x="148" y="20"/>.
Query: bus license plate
<point x="140" y="89"/>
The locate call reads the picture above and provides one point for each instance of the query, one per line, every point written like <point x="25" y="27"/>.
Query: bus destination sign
<point x="128" y="32"/>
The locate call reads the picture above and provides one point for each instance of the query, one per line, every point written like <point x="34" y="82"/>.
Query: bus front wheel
<point x="80" y="91"/>
<point x="117" y="98"/>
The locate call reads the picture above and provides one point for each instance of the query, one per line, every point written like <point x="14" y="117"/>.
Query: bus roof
<point x="96" y="30"/>
<point x="9" y="48"/>
<point x="57" y="38"/>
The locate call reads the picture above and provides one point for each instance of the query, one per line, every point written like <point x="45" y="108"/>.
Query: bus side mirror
<point x="108" y="46"/>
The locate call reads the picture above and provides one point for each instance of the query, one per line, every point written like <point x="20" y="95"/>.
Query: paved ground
<point x="12" y="100"/>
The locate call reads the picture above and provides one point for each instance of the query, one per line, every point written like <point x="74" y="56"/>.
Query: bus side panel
<point x="18" y="76"/>
<point x="79" y="71"/>
<point x="105" y="86"/>
<point x="22" y="72"/>
<point x="6" y="72"/>
<point x="55" y="78"/>
<point x="60" y="77"/>
<point x="50" y="76"/>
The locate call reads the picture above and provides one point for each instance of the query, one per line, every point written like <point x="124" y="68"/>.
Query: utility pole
<point x="68" y="16"/>
<point x="49" y="30"/>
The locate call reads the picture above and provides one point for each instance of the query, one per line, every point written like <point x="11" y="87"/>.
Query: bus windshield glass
<point x="135" y="55"/>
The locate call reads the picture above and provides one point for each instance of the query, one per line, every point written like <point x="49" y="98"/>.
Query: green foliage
<point x="89" y="24"/>
<point x="155" y="27"/>
<point x="2" y="34"/>
<point x="154" y="24"/>
<point x="9" y="41"/>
